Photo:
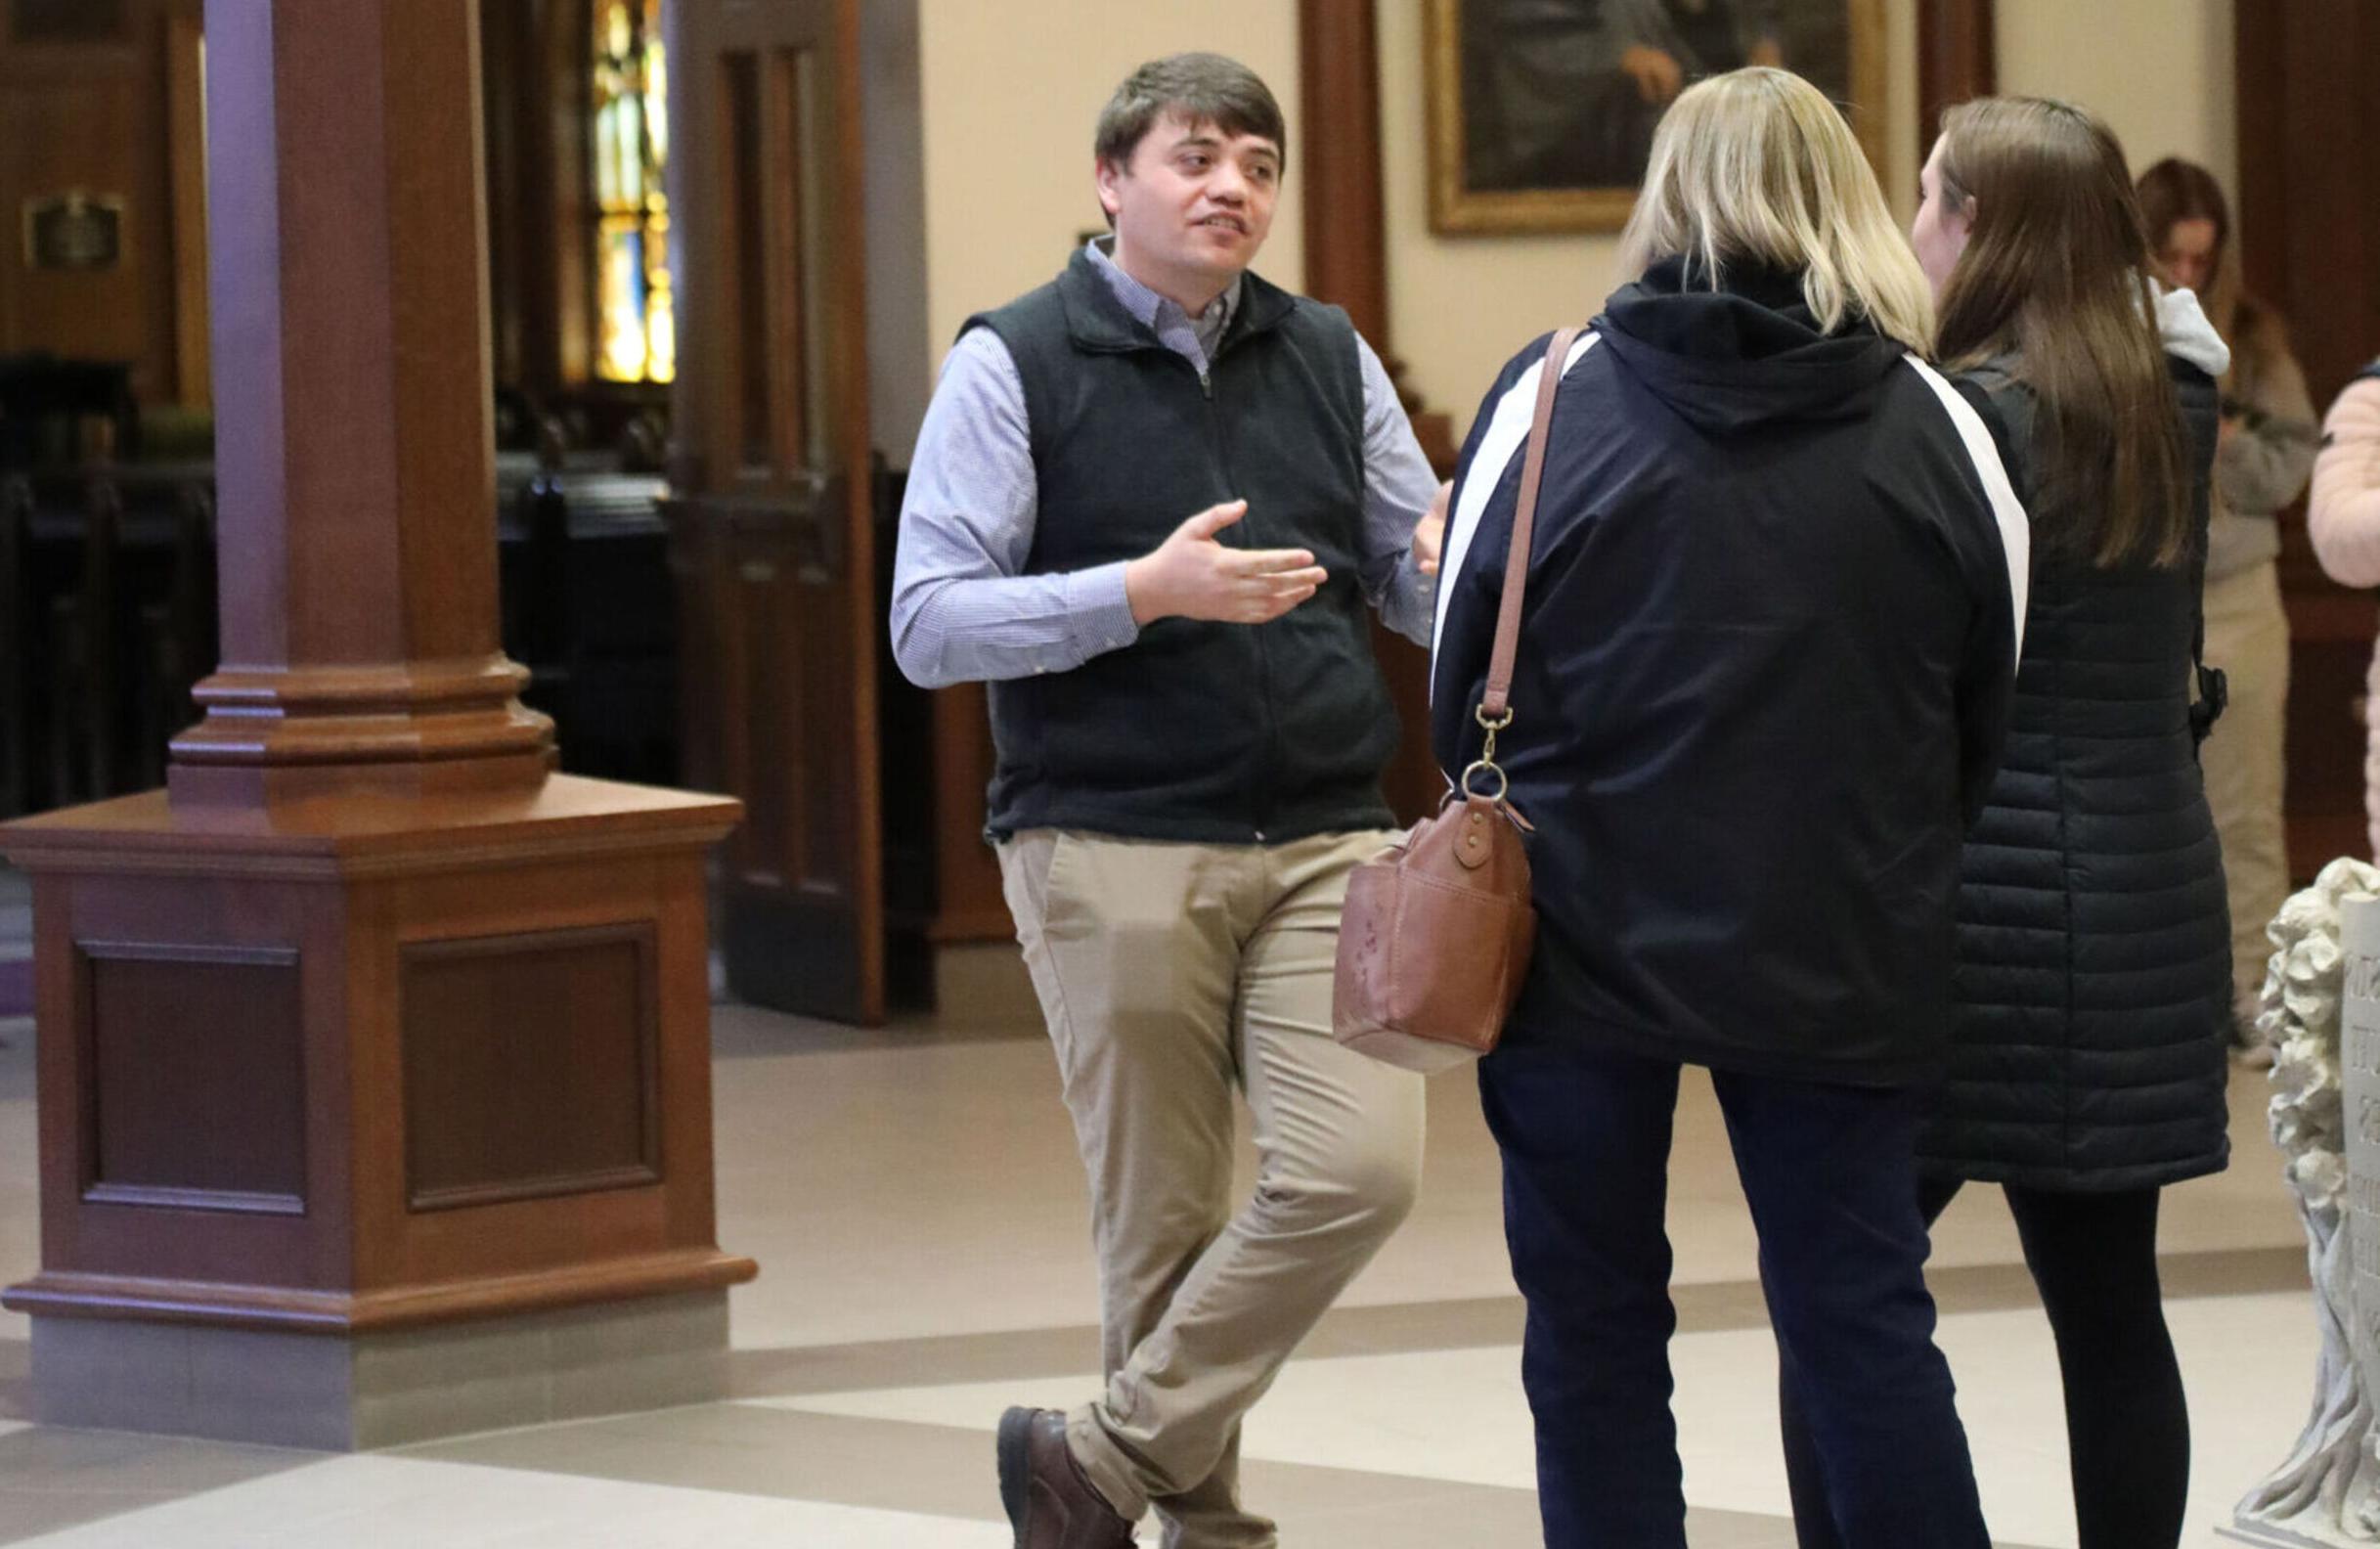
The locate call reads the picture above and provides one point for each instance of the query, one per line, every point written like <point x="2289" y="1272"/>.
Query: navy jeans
<point x="1829" y="1173"/>
<point x="2128" y="1423"/>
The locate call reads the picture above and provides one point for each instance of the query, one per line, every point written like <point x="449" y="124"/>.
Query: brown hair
<point x="2174" y="190"/>
<point x="2057" y="271"/>
<point x="1202" y="88"/>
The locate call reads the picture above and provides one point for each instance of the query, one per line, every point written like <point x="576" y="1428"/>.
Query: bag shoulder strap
<point x="2211" y="686"/>
<point x="1496" y="707"/>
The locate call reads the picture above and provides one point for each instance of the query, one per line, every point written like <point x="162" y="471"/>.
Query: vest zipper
<point x="1269" y="758"/>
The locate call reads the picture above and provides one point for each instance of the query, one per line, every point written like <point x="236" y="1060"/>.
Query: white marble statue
<point x="2327" y="1492"/>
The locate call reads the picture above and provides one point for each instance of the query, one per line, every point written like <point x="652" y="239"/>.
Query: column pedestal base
<point x="343" y="1393"/>
<point x="367" y="1118"/>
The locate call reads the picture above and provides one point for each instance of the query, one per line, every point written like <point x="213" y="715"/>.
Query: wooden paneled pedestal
<point x="322" y="1080"/>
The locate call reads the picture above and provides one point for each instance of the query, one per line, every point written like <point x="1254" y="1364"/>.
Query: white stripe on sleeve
<point x="1508" y="430"/>
<point x="2015" y="529"/>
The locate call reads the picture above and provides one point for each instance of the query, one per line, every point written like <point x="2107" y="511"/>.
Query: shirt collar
<point x="1151" y="310"/>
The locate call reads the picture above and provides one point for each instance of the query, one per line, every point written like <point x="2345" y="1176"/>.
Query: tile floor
<point x="914" y="1201"/>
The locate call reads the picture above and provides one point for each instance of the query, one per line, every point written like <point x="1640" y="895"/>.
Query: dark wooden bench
<point x="108" y="584"/>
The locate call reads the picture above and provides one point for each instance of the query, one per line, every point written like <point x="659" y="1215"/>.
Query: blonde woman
<point x="1763" y="663"/>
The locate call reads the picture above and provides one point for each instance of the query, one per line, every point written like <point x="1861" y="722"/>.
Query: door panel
<point x="771" y="514"/>
<point x="2308" y="218"/>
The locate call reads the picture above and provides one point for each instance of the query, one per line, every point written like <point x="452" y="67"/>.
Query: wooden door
<point x="770" y="531"/>
<point x="2308" y="215"/>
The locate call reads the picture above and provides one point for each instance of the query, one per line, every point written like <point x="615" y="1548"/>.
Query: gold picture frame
<point x="1458" y="209"/>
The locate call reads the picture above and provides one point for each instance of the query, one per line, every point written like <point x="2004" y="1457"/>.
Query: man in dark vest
<point x="1150" y="504"/>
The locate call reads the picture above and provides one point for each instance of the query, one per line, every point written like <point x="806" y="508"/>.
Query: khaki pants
<point x="1172" y="974"/>
<point x="2248" y="638"/>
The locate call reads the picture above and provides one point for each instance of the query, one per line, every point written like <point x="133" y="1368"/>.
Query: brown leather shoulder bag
<point x="1436" y="935"/>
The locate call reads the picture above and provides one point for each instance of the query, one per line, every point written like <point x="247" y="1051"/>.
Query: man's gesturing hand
<point x="1190" y="575"/>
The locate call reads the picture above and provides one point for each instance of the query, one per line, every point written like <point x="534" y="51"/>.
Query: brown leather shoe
<point x="1050" y="1504"/>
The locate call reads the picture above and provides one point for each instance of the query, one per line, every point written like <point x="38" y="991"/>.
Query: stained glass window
<point x="636" y="318"/>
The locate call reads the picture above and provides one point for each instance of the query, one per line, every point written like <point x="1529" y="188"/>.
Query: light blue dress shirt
<point x="962" y="609"/>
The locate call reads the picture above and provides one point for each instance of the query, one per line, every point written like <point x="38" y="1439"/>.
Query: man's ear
<point x="1105" y="176"/>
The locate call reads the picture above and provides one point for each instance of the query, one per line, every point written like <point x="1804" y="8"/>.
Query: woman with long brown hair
<point x="2087" y="1065"/>
<point x="2262" y="462"/>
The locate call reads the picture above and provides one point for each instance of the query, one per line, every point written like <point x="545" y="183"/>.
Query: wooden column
<point x="1338" y="157"/>
<point x="1347" y="263"/>
<point x="2309" y="228"/>
<point x="1956" y="59"/>
<point x="373" y="1024"/>
<point x="353" y="459"/>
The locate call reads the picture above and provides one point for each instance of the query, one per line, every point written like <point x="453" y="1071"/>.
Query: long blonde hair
<point x="1756" y="166"/>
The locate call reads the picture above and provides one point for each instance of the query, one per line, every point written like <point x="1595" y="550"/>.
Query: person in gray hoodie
<point x="2261" y="462"/>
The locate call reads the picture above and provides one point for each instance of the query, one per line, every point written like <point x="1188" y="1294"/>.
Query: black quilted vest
<point x="1212" y="734"/>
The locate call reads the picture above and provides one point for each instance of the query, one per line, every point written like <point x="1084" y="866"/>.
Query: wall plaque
<point x="73" y="231"/>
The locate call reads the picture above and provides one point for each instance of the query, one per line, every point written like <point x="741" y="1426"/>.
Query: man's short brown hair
<point x="1202" y="88"/>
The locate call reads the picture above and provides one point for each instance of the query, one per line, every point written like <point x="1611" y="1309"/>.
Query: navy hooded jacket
<point x="1764" y="672"/>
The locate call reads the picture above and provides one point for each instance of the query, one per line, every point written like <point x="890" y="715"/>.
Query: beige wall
<point x="1460" y="306"/>
<point x="1012" y="90"/>
<point x="2159" y="71"/>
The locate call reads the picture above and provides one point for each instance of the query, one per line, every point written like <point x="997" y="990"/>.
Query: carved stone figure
<point x="2327" y="1492"/>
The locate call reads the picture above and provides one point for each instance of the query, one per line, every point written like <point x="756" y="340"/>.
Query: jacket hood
<point x="2183" y="325"/>
<point x="1744" y="355"/>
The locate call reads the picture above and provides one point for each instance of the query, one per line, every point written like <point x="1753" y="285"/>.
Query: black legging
<point x="2128" y="1429"/>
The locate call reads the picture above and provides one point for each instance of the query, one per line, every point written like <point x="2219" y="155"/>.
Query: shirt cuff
<point x="1102" y="612"/>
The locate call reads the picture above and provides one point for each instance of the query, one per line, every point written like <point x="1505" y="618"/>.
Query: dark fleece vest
<point x="1211" y="733"/>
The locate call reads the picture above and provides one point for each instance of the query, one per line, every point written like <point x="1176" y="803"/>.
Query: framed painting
<point x="1541" y="111"/>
